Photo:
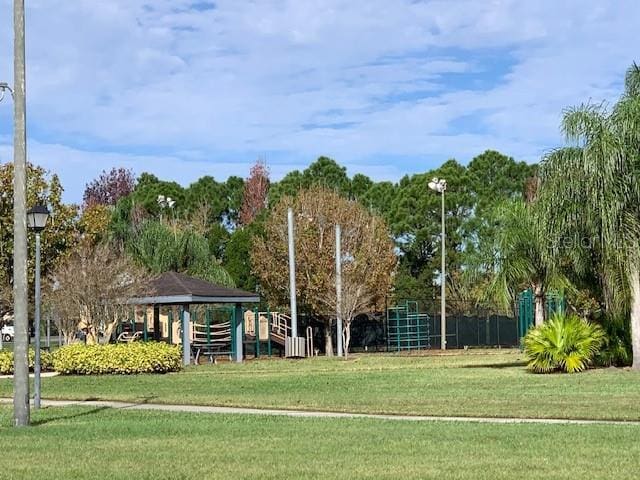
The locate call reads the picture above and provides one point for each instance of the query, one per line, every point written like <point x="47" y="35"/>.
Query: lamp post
<point x="3" y="198"/>
<point x="4" y="88"/>
<point x="36" y="220"/>
<point x="440" y="186"/>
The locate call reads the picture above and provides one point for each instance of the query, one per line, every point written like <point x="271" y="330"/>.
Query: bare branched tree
<point x="90" y="291"/>
<point x="368" y="258"/>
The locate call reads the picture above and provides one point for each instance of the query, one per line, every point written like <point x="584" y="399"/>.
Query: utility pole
<point x="292" y="276"/>
<point x="20" y="305"/>
<point x="339" y="291"/>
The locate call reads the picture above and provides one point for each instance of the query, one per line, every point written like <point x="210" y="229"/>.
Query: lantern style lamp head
<point x="37" y="218"/>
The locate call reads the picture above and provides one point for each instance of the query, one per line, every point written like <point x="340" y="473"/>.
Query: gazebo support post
<point x="256" y="321"/>
<point x="238" y="330"/>
<point x="145" y="326"/>
<point x="268" y="332"/>
<point x="156" y="322"/>
<point x="186" y="338"/>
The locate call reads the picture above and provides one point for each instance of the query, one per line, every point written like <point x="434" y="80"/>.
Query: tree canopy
<point x="56" y="240"/>
<point x="592" y="200"/>
<point x="205" y="224"/>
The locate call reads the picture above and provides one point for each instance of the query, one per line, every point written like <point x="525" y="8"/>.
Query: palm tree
<point x="159" y="249"/>
<point x="591" y="198"/>
<point x="520" y="260"/>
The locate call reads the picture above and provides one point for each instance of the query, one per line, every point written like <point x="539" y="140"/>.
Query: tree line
<point x="210" y="228"/>
<point x="568" y="223"/>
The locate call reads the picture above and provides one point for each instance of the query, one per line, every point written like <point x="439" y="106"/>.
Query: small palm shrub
<point x="117" y="358"/>
<point x="565" y="343"/>
<point x="6" y="361"/>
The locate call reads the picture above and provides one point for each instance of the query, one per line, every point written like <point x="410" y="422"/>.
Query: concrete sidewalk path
<point x="318" y="414"/>
<point x="31" y="375"/>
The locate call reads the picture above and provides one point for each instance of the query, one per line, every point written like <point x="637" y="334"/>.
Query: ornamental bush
<point x="117" y="358"/>
<point x="6" y="361"/>
<point x="564" y="343"/>
<point x="616" y="349"/>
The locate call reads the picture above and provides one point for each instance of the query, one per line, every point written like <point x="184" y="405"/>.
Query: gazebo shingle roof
<point x="177" y="288"/>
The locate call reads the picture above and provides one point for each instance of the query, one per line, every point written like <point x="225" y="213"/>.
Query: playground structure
<point x="407" y="328"/>
<point x="212" y="330"/>
<point x="216" y="322"/>
<point x="263" y="332"/>
<point x="223" y="330"/>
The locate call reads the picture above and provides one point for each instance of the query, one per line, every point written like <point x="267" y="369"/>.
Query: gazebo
<point x="172" y="288"/>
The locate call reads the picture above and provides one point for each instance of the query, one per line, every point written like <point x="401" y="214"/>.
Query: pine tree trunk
<point x="635" y="315"/>
<point x="328" y="341"/>
<point x="539" y="305"/>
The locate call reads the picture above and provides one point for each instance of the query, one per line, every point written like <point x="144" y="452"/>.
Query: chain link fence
<point x="372" y="332"/>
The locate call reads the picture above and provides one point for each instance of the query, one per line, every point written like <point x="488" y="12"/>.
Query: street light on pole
<point x="4" y="88"/>
<point x="440" y="186"/>
<point x="37" y="220"/>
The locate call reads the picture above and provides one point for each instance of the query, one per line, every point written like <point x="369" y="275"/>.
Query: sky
<point x="186" y="88"/>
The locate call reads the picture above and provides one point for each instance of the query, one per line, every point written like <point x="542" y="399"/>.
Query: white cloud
<point x="213" y="89"/>
<point x="77" y="167"/>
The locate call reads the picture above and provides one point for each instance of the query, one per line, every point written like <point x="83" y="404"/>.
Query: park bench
<point x="128" y="337"/>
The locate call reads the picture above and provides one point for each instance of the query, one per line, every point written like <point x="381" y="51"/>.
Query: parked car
<point x="7" y="333"/>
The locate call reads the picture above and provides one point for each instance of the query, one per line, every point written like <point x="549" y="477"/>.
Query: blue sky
<point x="386" y="87"/>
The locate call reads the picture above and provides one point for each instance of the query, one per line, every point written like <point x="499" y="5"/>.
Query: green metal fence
<point x="554" y="303"/>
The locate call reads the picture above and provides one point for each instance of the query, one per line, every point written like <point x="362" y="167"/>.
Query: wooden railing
<point x="280" y="324"/>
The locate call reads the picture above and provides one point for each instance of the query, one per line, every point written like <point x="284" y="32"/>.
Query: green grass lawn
<point x="79" y="443"/>
<point x="469" y="384"/>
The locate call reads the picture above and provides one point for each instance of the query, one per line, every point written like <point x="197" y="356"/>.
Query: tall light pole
<point x="20" y="285"/>
<point x="292" y="275"/>
<point x="37" y="220"/>
<point x="440" y="186"/>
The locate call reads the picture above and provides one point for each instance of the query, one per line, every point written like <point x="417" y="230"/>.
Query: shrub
<point x="118" y="358"/>
<point x="6" y="361"/>
<point x="616" y="349"/>
<point x="565" y="343"/>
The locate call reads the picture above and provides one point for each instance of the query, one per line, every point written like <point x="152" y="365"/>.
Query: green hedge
<point x="117" y="358"/>
<point x="6" y="361"/>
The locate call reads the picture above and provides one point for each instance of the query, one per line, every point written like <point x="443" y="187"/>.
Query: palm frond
<point x="632" y="81"/>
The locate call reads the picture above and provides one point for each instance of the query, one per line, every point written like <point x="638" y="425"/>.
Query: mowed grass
<point x="89" y="443"/>
<point x="467" y="384"/>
